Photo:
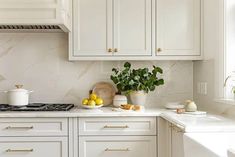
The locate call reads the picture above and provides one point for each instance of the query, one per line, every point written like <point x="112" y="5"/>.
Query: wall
<point x="39" y="62"/>
<point x="210" y="70"/>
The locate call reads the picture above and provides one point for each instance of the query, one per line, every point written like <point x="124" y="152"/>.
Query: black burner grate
<point x="37" y="107"/>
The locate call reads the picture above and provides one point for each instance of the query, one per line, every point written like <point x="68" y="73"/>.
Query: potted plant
<point x="137" y="82"/>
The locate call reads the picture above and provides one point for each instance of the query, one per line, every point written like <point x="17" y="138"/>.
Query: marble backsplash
<point x="39" y="61"/>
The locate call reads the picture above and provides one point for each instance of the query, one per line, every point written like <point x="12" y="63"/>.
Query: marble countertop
<point x="79" y="112"/>
<point x="200" y="123"/>
<point x="188" y="123"/>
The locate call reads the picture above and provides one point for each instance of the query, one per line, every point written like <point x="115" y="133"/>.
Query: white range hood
<point x="35" y="15"/>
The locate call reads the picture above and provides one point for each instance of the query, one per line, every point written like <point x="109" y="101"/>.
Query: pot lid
<point x="19" y="88"/>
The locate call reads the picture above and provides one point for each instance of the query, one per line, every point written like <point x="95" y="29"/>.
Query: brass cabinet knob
<point x="159" y="50"/>
<point x="110" y="50"/>
<point x="115" y="50"/>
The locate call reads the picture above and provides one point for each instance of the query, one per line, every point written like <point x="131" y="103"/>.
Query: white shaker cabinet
<point x="178" y="28"/>
<point x="34" y="137"/>
<point x="170" y="139"/>
<point x="177" y="145"/>
<point x="107" y="29"/>
<point x="92" y="28"/>
<point x="132" y="27"/>
<point x="117" y="137"/>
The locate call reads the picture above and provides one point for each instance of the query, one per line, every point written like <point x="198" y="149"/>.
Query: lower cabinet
<point x="33" y="147"/>
<point x="117" y="146"/>
<point x="117" y="137"/>
<point x="34" y="137"/>
<point x="170" y="141"/>
<point x="177" y="145"/>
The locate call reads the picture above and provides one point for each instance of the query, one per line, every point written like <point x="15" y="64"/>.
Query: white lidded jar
<point x="119" y="100"/>
<point x="18" y="96"/>
<point x="190" y="106"/>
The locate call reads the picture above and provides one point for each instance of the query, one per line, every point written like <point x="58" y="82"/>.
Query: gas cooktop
<point x="37" y="107"/>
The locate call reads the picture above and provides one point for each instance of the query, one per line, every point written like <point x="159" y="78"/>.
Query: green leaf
<point x="127" y="65"/>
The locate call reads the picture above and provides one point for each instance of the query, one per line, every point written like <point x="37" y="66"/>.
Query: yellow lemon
<point x="91" y="102"/>
<point x="93" y="96"/>
<point x="99" y="101"/>
<point x="85" y="101"/>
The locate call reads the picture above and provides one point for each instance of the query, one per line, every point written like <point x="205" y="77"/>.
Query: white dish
<point x="174" y="105"/>
<point x="196" y="113"/>
<point x="91" y="107"/>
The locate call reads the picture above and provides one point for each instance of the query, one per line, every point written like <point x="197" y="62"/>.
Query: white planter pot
<point x="138" y="97"/>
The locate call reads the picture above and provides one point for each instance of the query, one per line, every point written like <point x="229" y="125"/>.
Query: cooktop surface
<point x="38" y="107"/>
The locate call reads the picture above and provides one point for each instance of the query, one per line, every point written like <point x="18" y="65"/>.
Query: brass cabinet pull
<point x="117" y="150"/>
<point x="116" y="127"/>
<point x="24" y="127"/>
<point x="115" y="50"/>
<point x="110" y="50"/>
<point x="159" y="50"/>
<point x="19" y="150"/>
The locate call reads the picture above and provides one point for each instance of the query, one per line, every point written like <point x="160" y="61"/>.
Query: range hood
<point x="35" y="15"/>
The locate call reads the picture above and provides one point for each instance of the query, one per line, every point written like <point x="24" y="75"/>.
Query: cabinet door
<point x="177" y="145"/>
<point x="164" y="138"/>
<point x="117" y="146"/>
<point x="178" y="27"/>
<point x="132" y="27"/>
<point x="92" y="28"/>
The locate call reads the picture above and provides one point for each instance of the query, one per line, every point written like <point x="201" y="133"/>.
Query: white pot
<point x="119" y="100"/>
<point x="138" y="97"/>
<point x="18" y="96"/>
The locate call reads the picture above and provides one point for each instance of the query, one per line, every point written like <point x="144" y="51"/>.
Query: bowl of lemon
<point x="93" y="102"/>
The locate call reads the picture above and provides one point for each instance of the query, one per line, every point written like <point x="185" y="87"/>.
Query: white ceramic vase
<point x="119" y="100"/>
<point x="138" y="97"/>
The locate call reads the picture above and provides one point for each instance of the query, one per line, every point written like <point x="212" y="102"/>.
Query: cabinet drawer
<point x="33" y="147"/>
<point x="33" y="127"/>
<point x="133" y="146"/>
<point x="117" y="126"/>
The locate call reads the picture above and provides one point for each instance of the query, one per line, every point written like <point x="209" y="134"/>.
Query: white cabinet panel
<point x="36" y="12"/>
<point x="118" y="146"/>
<point x="178" y="27"/>
<point x="92" y="27"/>
<point x="132" y="27"/>
<point x="177" y="146"/>
<point x="33" y="147"/>
<point x="117" y="126"/>
<point x="164" y="138"/>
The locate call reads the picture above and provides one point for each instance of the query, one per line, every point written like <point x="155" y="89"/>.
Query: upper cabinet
<point x="132" y="27"/>
<point x="178" y="27"/>
<point x="110" y="29"/>
<point x="35" y="15"/>
<point x="92" y="28"/>
<point x="136" y="30"/>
